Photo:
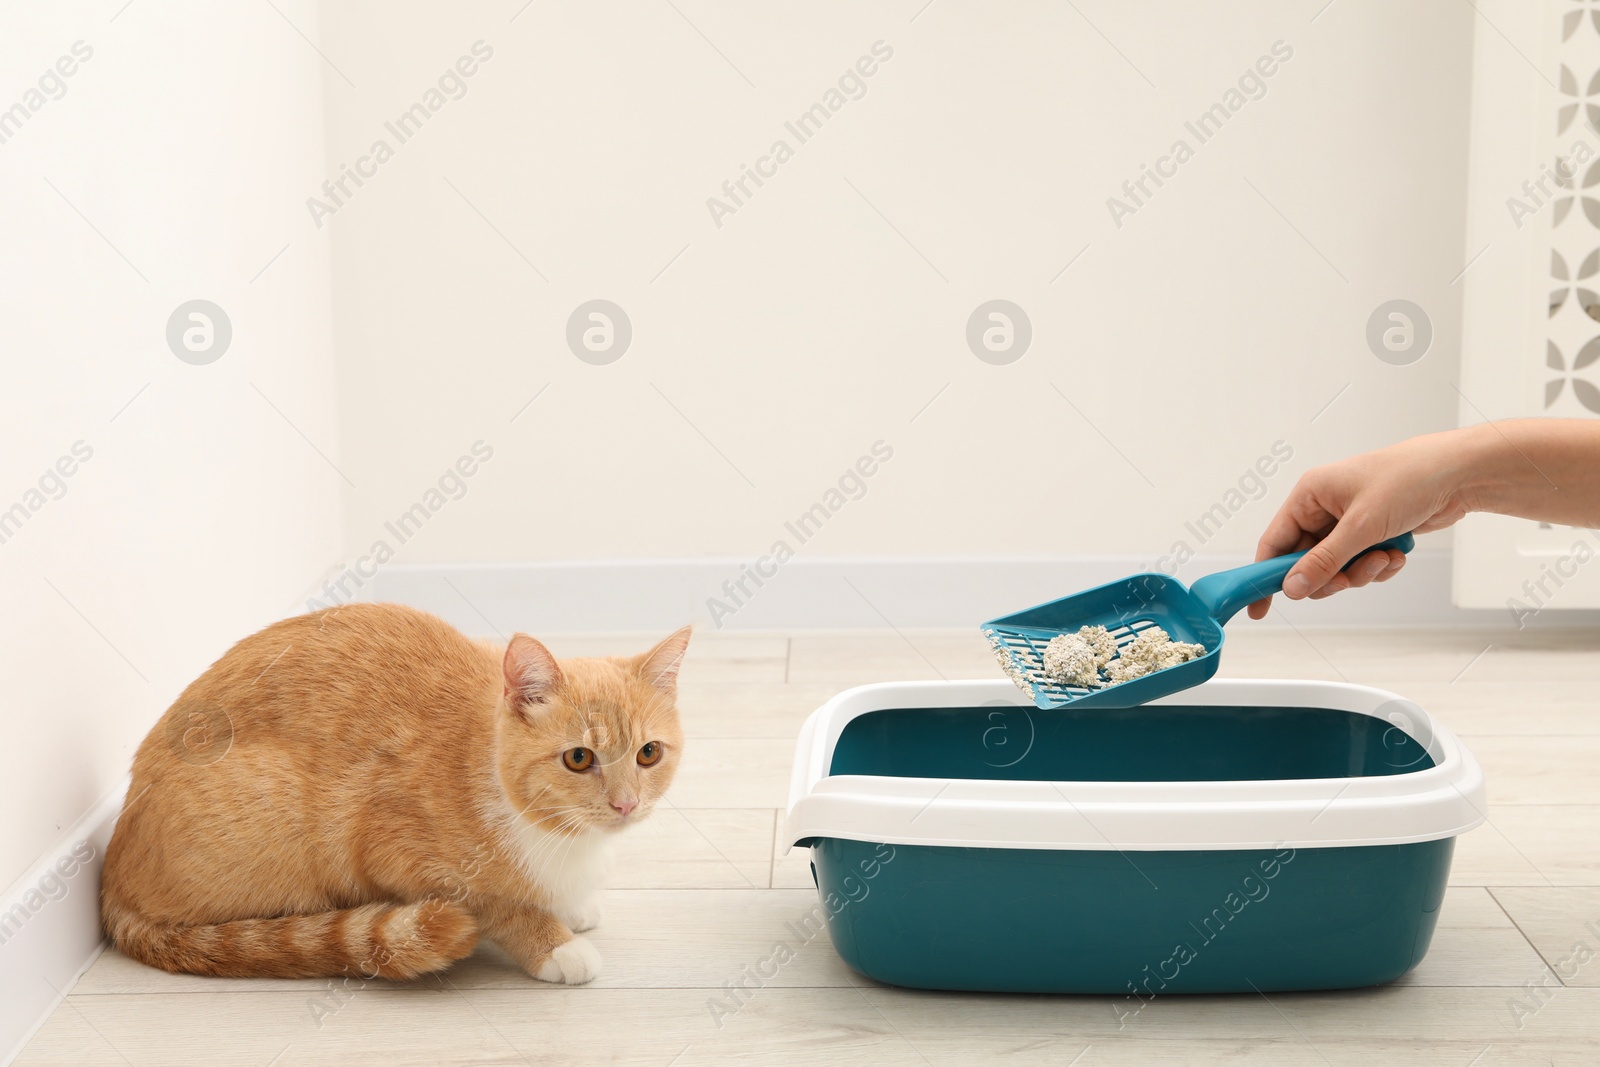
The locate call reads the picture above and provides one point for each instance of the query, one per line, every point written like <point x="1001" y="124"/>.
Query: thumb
<point x="1351" y="536"/>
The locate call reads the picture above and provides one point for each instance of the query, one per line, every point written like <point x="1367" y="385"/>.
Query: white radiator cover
<point x="1531" y="231"/>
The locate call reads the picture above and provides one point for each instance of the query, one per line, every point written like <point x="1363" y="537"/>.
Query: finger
<point x="1337" y="584"/>
<point x="1303" y="541"/>
<point x="1366" y="568"/>
<point x="1299" y="517"/>
<point x="1397" y="561"/>
<point x="1328" y="557"/>
<point x="1286" y="531"/>
<point x="1375" y="566"/>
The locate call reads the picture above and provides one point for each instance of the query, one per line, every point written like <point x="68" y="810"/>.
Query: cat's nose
<point x="624" y="807"/>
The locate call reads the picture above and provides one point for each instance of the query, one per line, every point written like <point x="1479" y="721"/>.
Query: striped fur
<point x="374" y="941"/>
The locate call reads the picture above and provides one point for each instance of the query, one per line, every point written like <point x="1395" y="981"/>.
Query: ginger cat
<point x="364" y="790"/>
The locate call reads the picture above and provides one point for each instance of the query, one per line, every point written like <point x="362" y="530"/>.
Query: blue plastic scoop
<point x="1131" y="605"/>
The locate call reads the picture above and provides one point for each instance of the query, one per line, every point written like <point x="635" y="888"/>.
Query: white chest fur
<point x="568" y="868"/>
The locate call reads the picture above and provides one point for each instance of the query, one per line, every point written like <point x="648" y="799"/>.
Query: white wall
<point x="804" y="329"/>
<point x="184" y="140"/>
<point x="768" y="356"/>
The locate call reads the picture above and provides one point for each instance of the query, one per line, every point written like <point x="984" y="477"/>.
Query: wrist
<point x="1478" y="462"/>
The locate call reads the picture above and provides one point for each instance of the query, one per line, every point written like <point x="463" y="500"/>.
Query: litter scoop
<point x="1129" y="606"/>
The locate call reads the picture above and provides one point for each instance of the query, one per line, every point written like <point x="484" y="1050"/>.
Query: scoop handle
<point x="1225" y="592"/>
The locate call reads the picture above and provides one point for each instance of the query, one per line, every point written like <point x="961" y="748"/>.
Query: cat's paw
<point x="585" y="916"/>
<point x="572" y="963"/>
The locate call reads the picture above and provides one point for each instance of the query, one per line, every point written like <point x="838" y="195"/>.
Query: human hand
<point x="1335" y="511"/>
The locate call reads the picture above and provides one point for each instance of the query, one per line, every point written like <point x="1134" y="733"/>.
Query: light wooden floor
<point x="705" y="889"/>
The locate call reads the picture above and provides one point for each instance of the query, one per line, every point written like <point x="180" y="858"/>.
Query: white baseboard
<point x="811" y="593"/>
<point x="50" y="925"/>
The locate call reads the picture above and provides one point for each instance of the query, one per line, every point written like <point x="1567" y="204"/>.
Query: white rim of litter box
<point x="1442" y="801"/>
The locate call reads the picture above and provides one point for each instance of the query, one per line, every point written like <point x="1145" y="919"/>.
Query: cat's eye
<point x="650" y="753"/>
<point x="578" y="759"/>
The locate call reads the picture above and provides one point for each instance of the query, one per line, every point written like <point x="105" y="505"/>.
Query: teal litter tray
<point x="1239" y="836"/>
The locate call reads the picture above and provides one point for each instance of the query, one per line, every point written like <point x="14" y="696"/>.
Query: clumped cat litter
<point x="1147" y="667"/>
<point x="1090" y="659"/>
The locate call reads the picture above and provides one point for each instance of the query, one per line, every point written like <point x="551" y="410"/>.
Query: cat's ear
<point x="660" y="665"/>
<point x="531" y="672"/>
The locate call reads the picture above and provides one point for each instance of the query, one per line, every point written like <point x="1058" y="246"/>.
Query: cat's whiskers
<point x="557" y="848"/>
<point x="551" y="807"/>
<point x="547" y="807"/>
<point x="566" y="853"/>
<point x="550" y="839"/>
<point x="543" y="789"/>
<point x="554" y="838"/>
<point x="517" y="825"/>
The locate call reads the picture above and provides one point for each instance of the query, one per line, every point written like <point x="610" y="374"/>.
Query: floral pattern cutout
<point x="1569" y="87"/>
<point x="1586" y="194"/>
<point x="1586" y="392"/>
<point x="1573" y="19"/>
<point x="1588" y="299"/>
<point x="1561" y="204"/>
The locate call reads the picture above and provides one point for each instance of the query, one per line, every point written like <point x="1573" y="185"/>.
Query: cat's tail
<point x="372" y="941"/>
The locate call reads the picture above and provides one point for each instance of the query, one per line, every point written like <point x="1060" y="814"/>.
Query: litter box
<point x="1243" y="835"/>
